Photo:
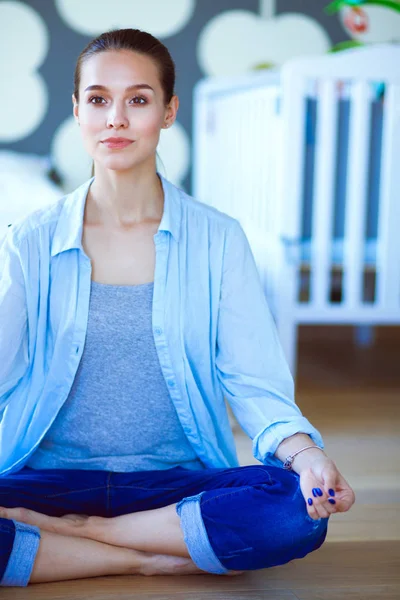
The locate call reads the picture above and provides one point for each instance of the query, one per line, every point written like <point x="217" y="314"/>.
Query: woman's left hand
<point x="323" y="475"/>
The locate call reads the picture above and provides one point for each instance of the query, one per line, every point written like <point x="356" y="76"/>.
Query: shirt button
<point x="171" y="383"/>
<point x="158" y="331"/>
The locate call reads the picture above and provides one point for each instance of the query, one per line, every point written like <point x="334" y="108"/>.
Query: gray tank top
<point x="118" y="415"/>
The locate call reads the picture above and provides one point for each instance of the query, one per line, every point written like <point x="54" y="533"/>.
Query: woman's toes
<point x="79" y="525"/>
<point x="76" y="520"/>
<point x="24" y="515"/>
<point x="67" y="525"/>
<point x="162" y="564"/>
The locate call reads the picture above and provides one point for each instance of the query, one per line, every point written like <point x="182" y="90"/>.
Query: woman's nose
<point x="117" y="118"/>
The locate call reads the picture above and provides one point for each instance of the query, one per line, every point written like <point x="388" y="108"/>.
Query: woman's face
<point x="120" y="95"/>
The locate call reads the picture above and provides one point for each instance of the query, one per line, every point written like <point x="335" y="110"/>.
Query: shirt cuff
<point x="266" y="443"/>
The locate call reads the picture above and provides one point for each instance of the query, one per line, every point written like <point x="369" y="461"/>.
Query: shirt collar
<point x="68" y="233"/>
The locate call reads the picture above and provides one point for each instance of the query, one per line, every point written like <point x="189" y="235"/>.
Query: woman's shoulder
<point x="43" y="218"/>
<point x="43" y="221"/>
<point x="200" y="209"/>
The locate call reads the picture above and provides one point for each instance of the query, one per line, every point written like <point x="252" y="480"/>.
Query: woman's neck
<point x="123" y="199"/>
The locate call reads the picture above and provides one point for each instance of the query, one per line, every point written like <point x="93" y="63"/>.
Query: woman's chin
<point x="119" y="165"/>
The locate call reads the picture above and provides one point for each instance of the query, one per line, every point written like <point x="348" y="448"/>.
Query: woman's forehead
<point x="120" y="69"/>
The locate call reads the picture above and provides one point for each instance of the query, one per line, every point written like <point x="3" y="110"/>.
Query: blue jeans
<point x="241" y="518"/>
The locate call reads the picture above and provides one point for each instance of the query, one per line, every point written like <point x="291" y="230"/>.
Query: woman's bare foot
<point x="161" y="564"/>
<point x="72" y="525"/>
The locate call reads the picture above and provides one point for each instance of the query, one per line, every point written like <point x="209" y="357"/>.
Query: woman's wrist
<point x="303" y="460"/>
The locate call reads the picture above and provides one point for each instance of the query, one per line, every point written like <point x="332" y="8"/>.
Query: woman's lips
<point x="116" y="144"/>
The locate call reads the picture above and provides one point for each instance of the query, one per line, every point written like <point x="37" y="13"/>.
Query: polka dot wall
<point x="40" y="41"/>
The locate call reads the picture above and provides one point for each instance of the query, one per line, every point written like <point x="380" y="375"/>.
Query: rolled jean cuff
<point x="23" y="555"/>
<point x="195" y="536"/>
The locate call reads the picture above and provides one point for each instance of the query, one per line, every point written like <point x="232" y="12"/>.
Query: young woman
<point x="128" y="310"/>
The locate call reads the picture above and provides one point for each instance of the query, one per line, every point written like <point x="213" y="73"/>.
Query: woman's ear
<point x="75" y="108"/>
<point x="171" y="111"/>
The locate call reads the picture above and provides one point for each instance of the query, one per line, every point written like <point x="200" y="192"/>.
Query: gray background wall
<point x="190" y="43"/>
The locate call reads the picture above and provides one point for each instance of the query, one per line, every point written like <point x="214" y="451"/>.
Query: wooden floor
<point x="352" y="396"/>
<point x="349" y="571"/>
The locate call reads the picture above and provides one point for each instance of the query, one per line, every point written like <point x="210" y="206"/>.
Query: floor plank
<point x="334" y="571"/>
<point x="114" y="590"/>
<point x="382" y="592"/>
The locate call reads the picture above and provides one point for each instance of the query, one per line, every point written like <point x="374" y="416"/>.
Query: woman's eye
<point x="136" y="100"/>
<point x="140" y="98"/>
<point x="95" y="98"/>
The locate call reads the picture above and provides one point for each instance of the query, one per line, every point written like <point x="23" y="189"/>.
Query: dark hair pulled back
<point x="136" y="41"/>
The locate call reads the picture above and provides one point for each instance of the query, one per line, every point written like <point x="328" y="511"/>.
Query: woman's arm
<point x="14" y="358"/>
<point x="250" y="363"/>
<point x="257" y="382"/>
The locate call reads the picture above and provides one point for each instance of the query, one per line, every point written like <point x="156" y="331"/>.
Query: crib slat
<point x="244" y="201"/>
<point x="324" y="188"/>
<point x="219" y="117"/>
<point x="356" y="193"/>
<point x="388" y="253"/>
<point x="290" y="178"/>
<point x="201" y="118"/>
<point x="291" y="175"/>
<point x="220" y="166"/>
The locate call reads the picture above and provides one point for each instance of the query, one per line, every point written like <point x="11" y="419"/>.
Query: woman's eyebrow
<point x="128" y="89"/>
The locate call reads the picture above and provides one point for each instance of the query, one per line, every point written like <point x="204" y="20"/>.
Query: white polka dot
<point x="24" y="105"/>
<point x="24" y="39"/>
<point x="248" y="40"/>
<point x="383" y="24"/>
<point x="174" y="151"/>
<point x="158" y="17"/>
<point x="23" y="46"/>
<point x="69" y="155"/>
<point x="230" y="31"/>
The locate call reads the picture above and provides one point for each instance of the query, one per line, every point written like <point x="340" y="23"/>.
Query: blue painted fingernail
<point x="331" y="492"/>
<point x="320" y="492"/>
<point x="331" y="500"/>
<point x="314" y="491"/>
<point x="309" y="501"/>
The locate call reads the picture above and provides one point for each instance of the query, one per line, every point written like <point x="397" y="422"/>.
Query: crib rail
<point x="323" y="201"/>
<point x="235" y="163"/>
<point x="359" y="74"/>
<point x="252" y="161"/>
<point x="388" y="258"/>
<point x="356" y="194"/>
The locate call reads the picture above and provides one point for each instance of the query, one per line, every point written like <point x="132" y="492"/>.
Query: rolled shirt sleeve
<point x="251" y="365"/>
<point x="14" y="359"/>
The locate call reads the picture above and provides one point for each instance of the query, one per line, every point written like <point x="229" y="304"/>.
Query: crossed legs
<point x="76" y="546"/>
<point x="274" y="528"/>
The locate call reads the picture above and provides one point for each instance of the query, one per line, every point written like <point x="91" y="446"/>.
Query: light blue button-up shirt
<point x="214" y="334"/>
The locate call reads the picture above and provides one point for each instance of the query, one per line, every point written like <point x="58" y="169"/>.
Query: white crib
<point x="322" y="216"/>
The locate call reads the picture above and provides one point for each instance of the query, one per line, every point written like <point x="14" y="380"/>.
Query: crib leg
<point x="364" y="335"/>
